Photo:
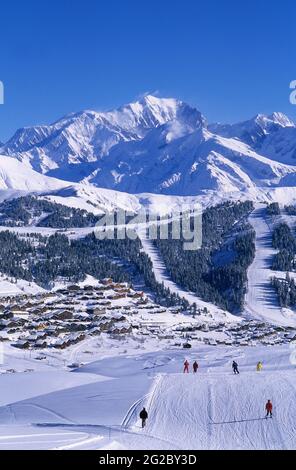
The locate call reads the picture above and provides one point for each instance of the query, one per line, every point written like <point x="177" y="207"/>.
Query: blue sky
<point x="232" y="59"/>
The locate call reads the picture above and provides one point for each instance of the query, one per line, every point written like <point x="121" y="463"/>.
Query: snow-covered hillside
<point x="14" y="175"/>
<point x="261" y="302"/>
<point x="273" y="136"/>
<point x="163" y="277"/>
<point x="187" y="165"/>
<point x="97" y="406"/>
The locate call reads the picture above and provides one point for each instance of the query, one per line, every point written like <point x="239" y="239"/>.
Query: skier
<point x="259" y="366"/>
<point x="195" y="366"/>
<point x="144" y="417"/>
<point x="186" y="367"/>
<point x="235" y="367"/>
<point x="268" y="408"/>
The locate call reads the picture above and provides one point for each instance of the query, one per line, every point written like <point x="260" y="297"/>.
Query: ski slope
<point x="97" y="406"/>
<point x="216" y="410"/>
<point x="162" y="276"/>
<point x="261" y="301"/>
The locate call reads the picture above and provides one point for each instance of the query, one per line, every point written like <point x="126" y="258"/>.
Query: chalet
<point x="96" y="311"/>
<point x="149" y="306"/>
<point x="76" y="338"/>
<point x="36" y="335"/>
<point x="41" y="344"/>
<point x="138" y="295"/>
<point x="52" y="330"/>
<point x="105" y="324"/>
<point x="60" y="343"/>
<point x="95" y="331"/>
<point x="175" y="310"/>
<point x="22" y="344"/>
<point x="85" y="297"/>
<point x="49" y="294"/>
<point x="4" y="336"/>
<point x="100" y="290"/>
<point x="73" y="287"/>
<point x="120" y="328"/>
<point x="18" y="310"/>
<point x="88" y="288"/>
<point x="28" y="305"/>
<point x="11" y="323"/>
<point x="118" y="316"/>
<point x="104" y="302"/>
<point x="78" y="326"/>
<point x="118" y="295"/>
<point x="60" y="291"/>
<point x="165" y="336"/>
<point x="122" y="290"/>
<point x="60" y="315"/>
<point x="6" y="315"/>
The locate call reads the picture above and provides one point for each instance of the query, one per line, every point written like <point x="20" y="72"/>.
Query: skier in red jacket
<point x="186" y="366"/>
<point x="268" y="408"/>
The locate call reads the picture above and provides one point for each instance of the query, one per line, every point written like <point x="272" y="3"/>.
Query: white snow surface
<point x="162" y="276"/>
<point x="97" y="406"/>
<point x="261" y="302"/>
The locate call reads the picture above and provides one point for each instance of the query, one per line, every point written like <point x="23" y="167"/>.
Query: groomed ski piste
<point x="163" y="277"/>
<point x="97" y="406"/>
<point x="261" y="302"/>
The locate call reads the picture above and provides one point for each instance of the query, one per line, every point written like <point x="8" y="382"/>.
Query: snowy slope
<point x="14" y="175"/>
<point x="97" y="407"/>
<point x="17" y="287"/>
<point x="261" y="302"/>
<point x="217" y="410"/>
<point x="254" y="131"/>
<point x="162" y="277"/>
<point x="186" y="165"/>
<point x="273" y="136"/>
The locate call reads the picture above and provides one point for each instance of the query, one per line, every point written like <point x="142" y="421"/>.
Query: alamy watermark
<point x="184" y="224"/>
<point x="1" y="92"/>
<point x="293" y="93"/>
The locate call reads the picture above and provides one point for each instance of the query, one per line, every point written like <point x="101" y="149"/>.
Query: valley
<point x="93" y="330"/>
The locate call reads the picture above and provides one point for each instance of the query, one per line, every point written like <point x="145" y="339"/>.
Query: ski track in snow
<point x="201" y="413"/>
<point x="212" y="409"/>
<point x="261" y="299"/>
<point x="162" y="276"/>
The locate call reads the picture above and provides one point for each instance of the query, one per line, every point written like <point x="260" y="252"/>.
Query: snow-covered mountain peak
<point x="160" y="145"/>
<point x="151" y="111"/>
<point x="87" y="136"/>
<point x="281" y="119"/>
<point x="272" y="121"/>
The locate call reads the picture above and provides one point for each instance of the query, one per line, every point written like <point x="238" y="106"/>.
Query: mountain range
<point x="155" y="145"/>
